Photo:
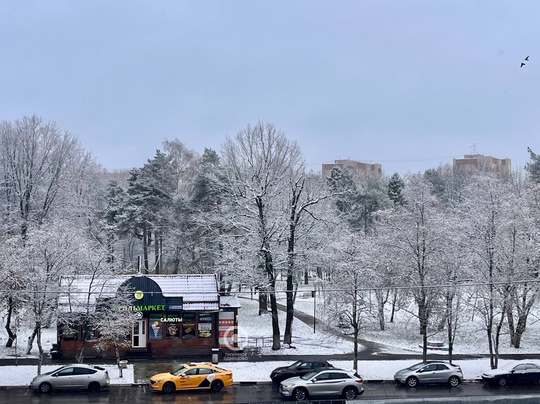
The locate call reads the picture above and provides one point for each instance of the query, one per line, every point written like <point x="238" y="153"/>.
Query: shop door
<point x="138" y="334"/>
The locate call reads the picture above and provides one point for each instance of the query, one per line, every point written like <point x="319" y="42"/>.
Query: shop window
<point x="156" y="326"/>
<point x="205" y="325"/>
<point x="188" y="325"/>
<point x="173" y="330"/>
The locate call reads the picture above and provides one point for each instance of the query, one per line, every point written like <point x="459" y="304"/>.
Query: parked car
<point x="326" y="382"/>
<point x="521" y="372"/>
<point x="430" y="372"/>
<point x="72" y="377"/>
<point x="298" y="368"/>
<point x="192" y="376"/>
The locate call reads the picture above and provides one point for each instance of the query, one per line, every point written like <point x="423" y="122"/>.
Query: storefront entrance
<point x="138" y="334"/>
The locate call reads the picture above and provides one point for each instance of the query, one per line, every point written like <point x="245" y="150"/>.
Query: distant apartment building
<point x="481" y="162"/>
<point x="355" y="168"/>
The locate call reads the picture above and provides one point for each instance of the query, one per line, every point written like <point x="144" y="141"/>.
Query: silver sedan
<point x="72" y="377"/>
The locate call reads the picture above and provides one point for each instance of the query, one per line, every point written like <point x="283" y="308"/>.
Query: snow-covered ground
<point x="400" y="337"/>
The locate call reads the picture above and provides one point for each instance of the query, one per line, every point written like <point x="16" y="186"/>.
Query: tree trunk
<point x="276" y="337"/>
<point x="423" y="316"/>
<point x="145" y="247"/>
<point x="394" y="300"/>
<point x="117" y="354"/>
<point x="32" y="337"/>
<point x="157" y="256"/>
<point x="380" y="307"/>
<point x="263" y="302"/>
<point x="40" y="349"/>
<point x="11" y="335"/>
<point x="356" y="328"/>
<point x="520" y="329"/>
<point x="511" y="326"/>
<point x="287" y="339"/>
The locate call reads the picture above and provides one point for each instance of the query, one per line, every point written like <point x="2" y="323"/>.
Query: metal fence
<point x="255" y="342"/>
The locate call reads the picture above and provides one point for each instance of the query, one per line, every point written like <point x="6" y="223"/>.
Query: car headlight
<point x="288" y="385"/>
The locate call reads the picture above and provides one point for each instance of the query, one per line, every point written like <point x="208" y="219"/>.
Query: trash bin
<point x="215" y="355"/>
<point x="56" y="352"/>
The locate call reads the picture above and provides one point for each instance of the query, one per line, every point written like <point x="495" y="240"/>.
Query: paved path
<point x="367" y="347"/>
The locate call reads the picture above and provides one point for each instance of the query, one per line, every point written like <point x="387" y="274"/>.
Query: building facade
<point x="473" y="162"/>
<point x="355" y="168"/>
<point x="171" y="315"/>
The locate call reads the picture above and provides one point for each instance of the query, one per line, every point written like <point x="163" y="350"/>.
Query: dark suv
<point x="298" y="368"/>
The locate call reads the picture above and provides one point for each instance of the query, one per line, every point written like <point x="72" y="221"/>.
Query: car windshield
<point x="417" y="366"/>
<point x="55" y="370"/>
<point x="309" y="375"/>
<point x="179" y="370"/>
<point x="295" y="365"/>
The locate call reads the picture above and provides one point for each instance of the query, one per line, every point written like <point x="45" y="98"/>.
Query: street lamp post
<point x="314" y="295"/>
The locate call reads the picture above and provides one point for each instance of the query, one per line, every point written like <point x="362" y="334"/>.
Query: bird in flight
<point x="522" y="64"/>
<point x="527" y="58"/>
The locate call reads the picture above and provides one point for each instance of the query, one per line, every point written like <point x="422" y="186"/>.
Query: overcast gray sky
<point x="409" y="84"/>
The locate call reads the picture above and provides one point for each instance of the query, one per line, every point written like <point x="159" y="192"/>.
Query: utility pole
<point x="314" y="295"/>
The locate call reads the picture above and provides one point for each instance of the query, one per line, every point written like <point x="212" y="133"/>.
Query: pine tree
<point x="395" y="188"/>
<point x="533" y="166"/>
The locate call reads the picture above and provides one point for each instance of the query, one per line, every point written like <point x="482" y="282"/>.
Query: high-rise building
<point x="355" y="168"/>
<point x="481" y="162"/>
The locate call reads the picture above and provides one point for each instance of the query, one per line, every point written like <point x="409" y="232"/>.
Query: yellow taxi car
<point x="192" y="376"/>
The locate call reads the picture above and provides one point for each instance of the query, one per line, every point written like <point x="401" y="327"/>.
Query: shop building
<point x="171" y="315"/>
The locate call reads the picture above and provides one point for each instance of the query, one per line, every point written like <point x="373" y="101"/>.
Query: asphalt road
<point x="267" y="393"/>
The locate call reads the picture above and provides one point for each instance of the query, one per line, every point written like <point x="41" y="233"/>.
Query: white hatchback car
<point x="72" y="377"/>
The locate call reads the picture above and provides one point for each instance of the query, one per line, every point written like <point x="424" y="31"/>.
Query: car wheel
<point x="45" y="388"/>
<point x="300" y="394"/>
<point x="94" y="387"/>
<point x="411" y="381"/>
<point x="502" y="382"/>
<point x="168" y="388"/>
<point x="217" y="385"/>
<point x="349" y="393"/>
<point x="454" y="381"/>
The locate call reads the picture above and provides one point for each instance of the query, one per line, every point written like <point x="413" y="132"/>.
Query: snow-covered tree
<point x="48" y="254"/>
<point x="45" y="174"/>
<point x="414" y="236"/>
<point x="486" y="208"/>
<point x="259" y="162"/>
<point x="304" y="193"/>
<point x="42" y="171"/>
<point x="395" y="189"/>
<point x="533" y="166"/>
<point x="348" y="290"/>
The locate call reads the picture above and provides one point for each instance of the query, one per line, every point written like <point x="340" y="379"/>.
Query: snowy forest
<point x="436" y="244"/>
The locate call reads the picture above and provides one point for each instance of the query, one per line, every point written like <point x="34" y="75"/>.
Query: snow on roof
<point x="229" y="302"/>
<point x="193" y="288"/>
<point x="199" y="292"/>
